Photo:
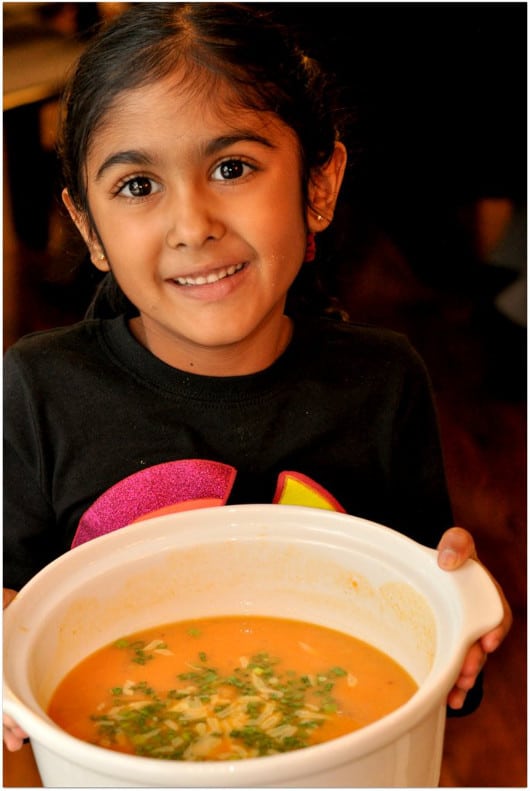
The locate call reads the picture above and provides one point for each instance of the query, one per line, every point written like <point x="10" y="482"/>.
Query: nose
<point x="193" y="219"/>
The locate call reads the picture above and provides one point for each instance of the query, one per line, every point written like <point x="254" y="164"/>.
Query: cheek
<point x="292" y="239"/>
<point x="282" y="225"/>
<point x="128" y="242"/>
<point x="286" y="260"/>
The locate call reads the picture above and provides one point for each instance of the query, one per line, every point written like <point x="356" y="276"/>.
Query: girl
<point x="202" y="154"/>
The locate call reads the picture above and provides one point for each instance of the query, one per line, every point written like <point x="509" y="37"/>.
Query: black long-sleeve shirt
<point x="97" y="430"/>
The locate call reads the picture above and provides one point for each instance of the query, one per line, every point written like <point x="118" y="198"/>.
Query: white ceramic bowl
<point x="294" y="562"/>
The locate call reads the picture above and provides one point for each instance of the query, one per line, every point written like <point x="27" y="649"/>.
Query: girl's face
<point x="201" y="218"/>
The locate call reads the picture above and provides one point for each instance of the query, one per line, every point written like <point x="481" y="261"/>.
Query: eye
<point x="231" y="169"/>
<point x="138" y="187"/>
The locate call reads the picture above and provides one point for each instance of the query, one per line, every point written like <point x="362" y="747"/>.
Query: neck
<point x="255" y="353"/>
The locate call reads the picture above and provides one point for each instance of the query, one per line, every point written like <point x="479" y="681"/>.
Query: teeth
<point x="213" y="277"/>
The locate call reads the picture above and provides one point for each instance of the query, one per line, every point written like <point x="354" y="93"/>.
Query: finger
<point x="9" y="595"/>
<point x="11" y="725"/>
<point x="456" y="698"/>
<point x="14" y="738"/>
<point x="473" y="664"/>
<point x="12" y="742"/>
<point x="455" y="547"/>
<point x="492" y="640"/>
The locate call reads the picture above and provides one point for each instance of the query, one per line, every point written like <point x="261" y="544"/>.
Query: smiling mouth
<point x="212" y="277"/>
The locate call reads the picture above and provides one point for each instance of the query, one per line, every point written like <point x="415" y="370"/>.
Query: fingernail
<point x="448" y="558"/>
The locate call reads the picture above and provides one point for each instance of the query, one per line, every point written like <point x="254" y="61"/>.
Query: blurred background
<point x="432" y="240"/>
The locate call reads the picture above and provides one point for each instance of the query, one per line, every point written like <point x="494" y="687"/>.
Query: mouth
<point x="211" y="277"/>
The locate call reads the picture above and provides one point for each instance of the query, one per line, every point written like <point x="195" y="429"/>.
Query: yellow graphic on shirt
<point x="294" y="488"/>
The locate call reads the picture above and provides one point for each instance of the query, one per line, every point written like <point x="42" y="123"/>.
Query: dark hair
<point x="241" y="45"/>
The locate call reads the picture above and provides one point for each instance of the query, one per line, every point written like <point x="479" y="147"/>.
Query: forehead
<point x="185" y="109"/>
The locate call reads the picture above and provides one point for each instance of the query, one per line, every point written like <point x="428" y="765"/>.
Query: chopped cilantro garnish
<point x="279" y="710"/>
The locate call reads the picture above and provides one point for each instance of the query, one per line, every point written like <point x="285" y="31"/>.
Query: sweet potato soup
<point x="227" y="688"/>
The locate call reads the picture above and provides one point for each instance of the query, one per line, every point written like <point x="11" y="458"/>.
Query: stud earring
<point x="319" y="218"/>
<point x="101" y="256"/>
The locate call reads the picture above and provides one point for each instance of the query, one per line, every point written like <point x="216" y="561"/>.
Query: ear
<point x="97" y="256"/>
<point x="324" y="186"/>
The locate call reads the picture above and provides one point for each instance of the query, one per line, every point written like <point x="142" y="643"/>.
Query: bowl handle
<point x="481" y="604"/>
<point x="11" y="705"/>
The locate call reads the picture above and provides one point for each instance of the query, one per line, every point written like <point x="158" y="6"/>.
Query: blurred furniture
<point x="35" y="66"/>
<point x="36" y="61"/>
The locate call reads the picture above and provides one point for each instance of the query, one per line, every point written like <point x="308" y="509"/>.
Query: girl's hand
<point x="9" y="595"/>
<point x="13" y="734"/>
<point x="455" y="547"/>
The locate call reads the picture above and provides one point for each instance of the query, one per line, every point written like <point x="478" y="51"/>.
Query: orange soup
<point x="227" y="688"/>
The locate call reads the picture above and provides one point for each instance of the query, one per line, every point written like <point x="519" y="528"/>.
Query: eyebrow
<point x="143" y="159"/>
<point x="225" y="141"/>
<point x="132" y="157"/>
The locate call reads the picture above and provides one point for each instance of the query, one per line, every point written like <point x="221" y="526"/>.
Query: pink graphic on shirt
<point x="163" y="488"/>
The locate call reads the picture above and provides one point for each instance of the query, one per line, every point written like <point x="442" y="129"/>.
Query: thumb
<point x="455" y="547"/>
